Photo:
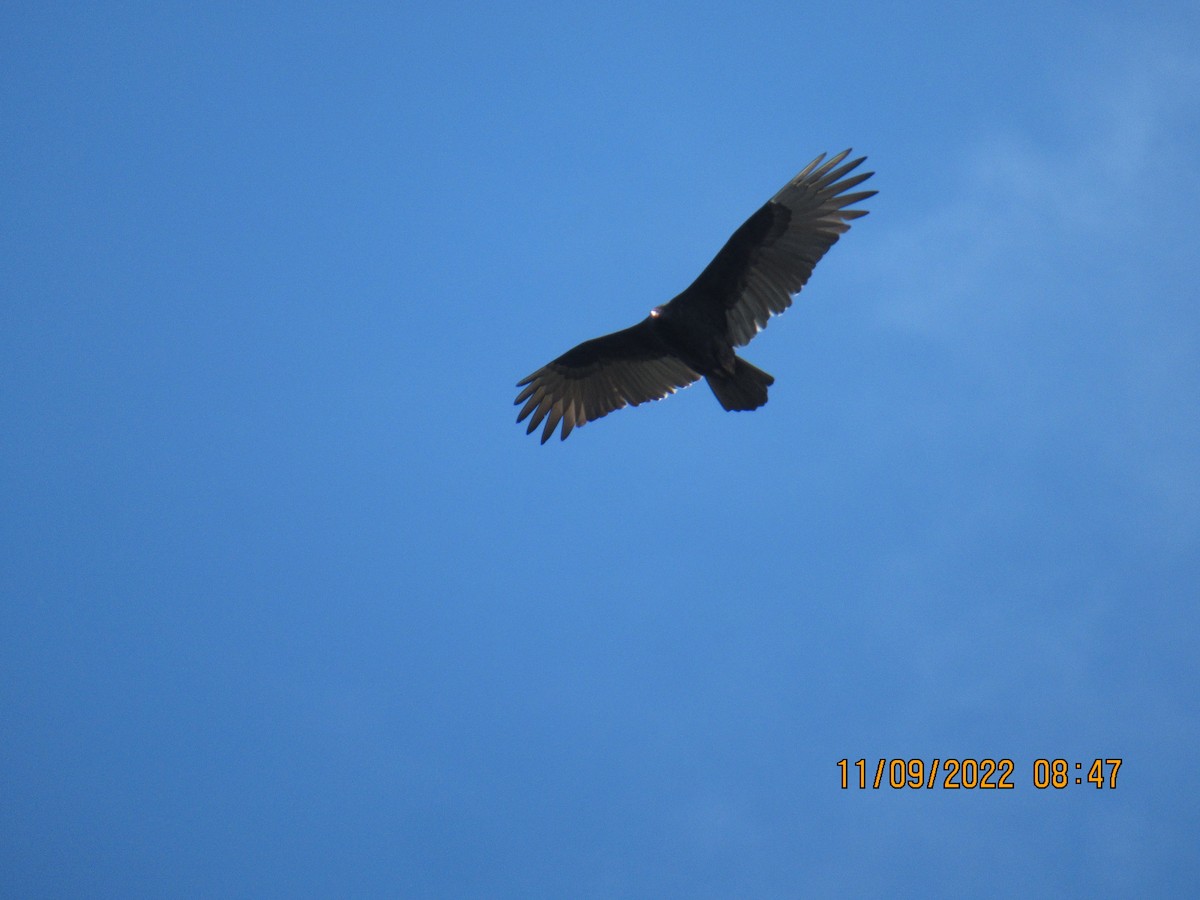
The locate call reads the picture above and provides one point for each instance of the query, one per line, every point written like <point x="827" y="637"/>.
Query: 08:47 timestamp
<point x="955" y="774"/>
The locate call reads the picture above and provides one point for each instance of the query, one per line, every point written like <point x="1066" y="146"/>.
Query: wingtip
<point x="825" y="170"/>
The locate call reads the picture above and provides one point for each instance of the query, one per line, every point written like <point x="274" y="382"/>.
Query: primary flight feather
<point x="753" y="277"/>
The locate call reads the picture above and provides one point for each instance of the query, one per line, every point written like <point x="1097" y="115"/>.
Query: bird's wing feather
<point x="624" y="368"/>
<point x="771" y="256"/>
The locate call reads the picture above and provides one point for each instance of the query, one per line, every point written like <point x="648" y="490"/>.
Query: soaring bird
<point x="753" y="277"/>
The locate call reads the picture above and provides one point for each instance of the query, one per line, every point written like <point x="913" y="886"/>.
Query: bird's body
<point x="767" y="260"/>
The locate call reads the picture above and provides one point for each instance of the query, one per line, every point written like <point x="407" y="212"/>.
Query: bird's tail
<point x="745" y="389"/>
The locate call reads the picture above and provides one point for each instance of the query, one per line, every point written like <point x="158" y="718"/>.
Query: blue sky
<point x="291" y="607"/>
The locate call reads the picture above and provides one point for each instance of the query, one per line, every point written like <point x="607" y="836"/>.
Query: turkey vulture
<point x="754" y="277"/>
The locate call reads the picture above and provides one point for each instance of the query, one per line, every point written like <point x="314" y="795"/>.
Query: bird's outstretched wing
<point x="624" y="368"/>
<point x="772" y="255"/>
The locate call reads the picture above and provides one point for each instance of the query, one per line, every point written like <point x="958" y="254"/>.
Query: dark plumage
<point x="761" y="266"/>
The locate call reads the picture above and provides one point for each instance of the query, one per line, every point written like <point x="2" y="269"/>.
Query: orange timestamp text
<point x="974" y="774"/>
